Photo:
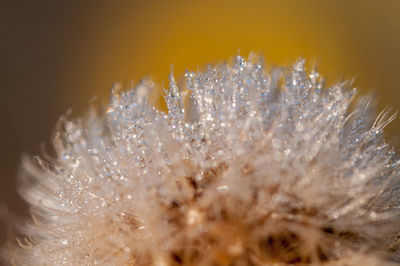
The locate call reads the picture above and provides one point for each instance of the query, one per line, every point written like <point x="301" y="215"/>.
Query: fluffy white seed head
<point x="246" y="168"/>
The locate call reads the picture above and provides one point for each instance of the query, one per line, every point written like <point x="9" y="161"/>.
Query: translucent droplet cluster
<point x="247" y="167"/>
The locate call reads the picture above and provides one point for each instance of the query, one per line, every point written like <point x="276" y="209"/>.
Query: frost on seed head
<point x="248" y="167"/>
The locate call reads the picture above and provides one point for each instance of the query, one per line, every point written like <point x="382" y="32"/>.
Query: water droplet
<point x="76" y="163"/>
<point x="65" y="156"/>
<point x="223" y="188"/>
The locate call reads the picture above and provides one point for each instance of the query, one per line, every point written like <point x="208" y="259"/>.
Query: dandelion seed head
<point x="247" y="167"/>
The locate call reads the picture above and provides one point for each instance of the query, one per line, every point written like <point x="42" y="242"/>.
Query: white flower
<point x="247" y="168"/>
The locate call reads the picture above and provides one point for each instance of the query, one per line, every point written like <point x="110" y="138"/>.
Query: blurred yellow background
<point x="57" y="54"/>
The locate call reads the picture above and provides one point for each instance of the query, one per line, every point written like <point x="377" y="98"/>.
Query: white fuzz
<point x="247" y="168"/>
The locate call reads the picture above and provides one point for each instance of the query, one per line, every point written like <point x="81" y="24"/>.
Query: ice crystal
<point x="246" y="168"/>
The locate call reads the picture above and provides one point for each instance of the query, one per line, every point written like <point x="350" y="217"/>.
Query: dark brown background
<point x="56" y="54"/>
